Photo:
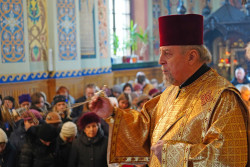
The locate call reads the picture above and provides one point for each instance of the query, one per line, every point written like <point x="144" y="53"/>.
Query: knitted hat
<point x="69" y="129"/>
<point x="36" y="113"/>
<point x="53" y="117"/>
<point x="59" y="98"/>
<point x="10" y="98"/>
<point x="153" y="91"/>
<point x="181" y="30"/>
<point x="117" y="88"/>
<point x="26" y="115"/>
<point x="137" y="87"/>
<point x="107" y="91"/>
<point x="142" y="98"/>
<point x="47" y="132"/>
<point x="3" y="136"/>
<point x="24" y="98"/>
<point x="140" y="73"/>
<point x="88" y="118"/>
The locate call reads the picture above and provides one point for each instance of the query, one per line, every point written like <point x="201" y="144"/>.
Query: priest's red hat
<point x="181" y="29"/>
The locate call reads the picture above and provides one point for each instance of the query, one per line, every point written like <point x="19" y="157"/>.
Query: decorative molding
<point x="12" y="31"/>
<point x="9" y="78"/>
<point x="66" y="74"/>
<point x="12" y="78"/>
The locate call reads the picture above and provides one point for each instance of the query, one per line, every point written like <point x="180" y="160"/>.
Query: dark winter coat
<point x="35" y="154"/>
<point x="7" y="128"/>
<point x="8" y="157"/>
<point x="62" y="152"/>
<point x="77" y="111"/>
<point x="66" y="119"/>
<point x="17" y="137"/>
<point x="89" y="152"/>
<point x="18" y="123"/>
<point x="235" y="82"/>
<point x="105" y="127"/>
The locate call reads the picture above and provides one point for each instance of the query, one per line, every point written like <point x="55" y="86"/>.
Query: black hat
<point x="59" y="98"/>
<point x="47" y="132"/>
<point x="9" y="98"/>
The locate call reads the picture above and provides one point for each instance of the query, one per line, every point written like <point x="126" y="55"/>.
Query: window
<point x="119" y="26"/>
<point x="129" y="31"/>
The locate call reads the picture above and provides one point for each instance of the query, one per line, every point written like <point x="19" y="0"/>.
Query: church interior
<point x="49" y="43"/>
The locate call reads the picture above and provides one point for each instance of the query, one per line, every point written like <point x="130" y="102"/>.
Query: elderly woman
<point x="90" y="148"/>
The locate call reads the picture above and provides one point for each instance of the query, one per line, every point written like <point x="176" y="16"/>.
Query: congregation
<point x="36" y="132"/>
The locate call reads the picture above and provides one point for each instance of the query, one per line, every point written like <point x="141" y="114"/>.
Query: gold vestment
<point x="204" y="126"/>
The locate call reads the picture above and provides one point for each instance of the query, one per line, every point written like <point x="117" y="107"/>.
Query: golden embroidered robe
<point x="204" y="126"/>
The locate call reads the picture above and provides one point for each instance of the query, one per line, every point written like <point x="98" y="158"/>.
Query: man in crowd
<point x="39" y="151"/>
<point x="240" y="77"/>
<point x="89" y="92"/>
<point x="200" y="120"/>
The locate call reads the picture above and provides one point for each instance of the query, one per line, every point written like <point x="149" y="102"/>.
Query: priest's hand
<point x="101" y="106"/>
<point x="157" y="149"/>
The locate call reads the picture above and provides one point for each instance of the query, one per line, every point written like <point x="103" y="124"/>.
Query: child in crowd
<point x="124" y="101"/>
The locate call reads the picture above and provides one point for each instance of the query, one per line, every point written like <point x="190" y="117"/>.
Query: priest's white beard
<point x="168" y="80"/>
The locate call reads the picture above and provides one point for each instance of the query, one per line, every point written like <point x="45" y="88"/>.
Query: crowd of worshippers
<point x="64" y="133"/>
<point x="37" y="133"/>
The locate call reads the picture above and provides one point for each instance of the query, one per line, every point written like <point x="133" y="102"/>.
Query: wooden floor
<point x="76" y="85"/>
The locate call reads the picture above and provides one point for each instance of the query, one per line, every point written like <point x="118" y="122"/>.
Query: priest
<point x="200" y="120"/>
